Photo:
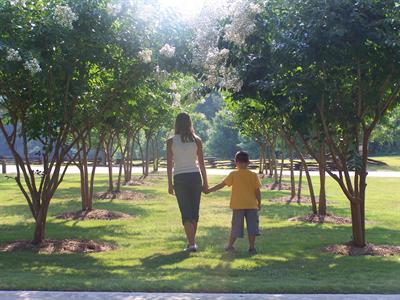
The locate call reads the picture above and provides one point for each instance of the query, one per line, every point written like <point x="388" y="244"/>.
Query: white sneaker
<point x="191" y="248"/>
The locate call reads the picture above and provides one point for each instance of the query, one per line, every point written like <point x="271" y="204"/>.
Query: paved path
<point x="11" y="169"/>
<point x="27" y="295"/>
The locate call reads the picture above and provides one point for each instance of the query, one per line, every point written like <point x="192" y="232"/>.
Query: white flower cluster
<point x="177" y="100"/>
<point x="32" y="66"/>
<point x="18" y="3"/>
<point x="239" y="17"/>
<point x="216" y="72"/>
<point x="145" y="55"/>
<point x="255" y="8"/>
<point x="207" y="30"/>
<point x="114" y="8"/>
<point x="64" y="16"/>
<point x="231" y="79"/>
<point x="242" y="24"/>
<point x="216" y="56"/>
<point x="13" y="55"/>
<point x="224" y="77"/>
<point x="167" y="50"/>
<point x="161" y="75"/>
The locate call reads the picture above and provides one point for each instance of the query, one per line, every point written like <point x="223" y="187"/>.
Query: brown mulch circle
<point x="369" y="249"/>
<point x="275" y="187"/>
<point x="330" y="219"/>
<point x="138" y="183"/>
<point x="59" y="246"/>
<point x="95" y="214"/>
<point x="288" y="199"/>
<point x="122" y="195"/>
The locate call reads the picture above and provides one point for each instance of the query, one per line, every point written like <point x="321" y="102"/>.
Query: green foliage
<point x="223" y="137"/>
<point x="201" y="125"/>
<point x="386" y="136"/>
<point x="211" y="105"/>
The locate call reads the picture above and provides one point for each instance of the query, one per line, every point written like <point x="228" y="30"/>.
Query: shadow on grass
<point x="289" y="260"/>
<point x="66" y="230"/>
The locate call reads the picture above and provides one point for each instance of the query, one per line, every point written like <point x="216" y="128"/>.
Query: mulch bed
<point x="138" y="183"/>
<point x="275" y="187"/>
<point x="95" y="214"/>
<point x="330" y="219"/>
<point x="369" y="249"/>
<point x="122" y="195"/>
<point x="288" y="199"/>
<point x="59" y="246"/>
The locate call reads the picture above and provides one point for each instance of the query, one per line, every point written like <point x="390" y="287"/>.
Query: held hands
<point x="206" y="189"/>
<point x="171" y="189"/>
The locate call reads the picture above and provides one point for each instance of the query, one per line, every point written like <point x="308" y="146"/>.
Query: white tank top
<point x="184" y="156"/>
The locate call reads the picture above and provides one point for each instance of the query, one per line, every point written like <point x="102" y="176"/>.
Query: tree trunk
<point x="281" y="171"/>
<point x="82" y="180"/>
<point x="357" y="225"/>
<point x="322" y="181"/>
<point x="310" y="187"/>
<point x="142" y="158"/>
<point x="260" y="167"/>
<point x="270" y="166"/>
<point x="121" y="163"/>
<point x="128" y="160"/>
<point x="109" y="158"/>
<point x="40" y="225"/>
<point x="156" y="159"/>
<point x="292" y="180"/>
<point x="275" y="164"/>
<point x="146" y="172"/>
<point x="358" y="208"/>
<point x="300" y="182"/>
<point x="92" y="176"/>
<point x="308" y="176"/>
<point x="86" y="176"/>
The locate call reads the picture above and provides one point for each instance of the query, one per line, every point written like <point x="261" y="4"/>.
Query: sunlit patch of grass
<point x="150" y="258"/>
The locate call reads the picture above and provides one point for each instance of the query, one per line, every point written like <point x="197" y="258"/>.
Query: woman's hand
<point x="205" y="188"/>
<point x="171" y="189"/>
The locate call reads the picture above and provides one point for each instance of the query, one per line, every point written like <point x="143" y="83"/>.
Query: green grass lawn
<point x="393" y="163"/>
<point x="149" y="257"/>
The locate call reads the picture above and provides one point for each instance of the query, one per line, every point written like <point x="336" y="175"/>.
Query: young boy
<point x="245" y="201"/>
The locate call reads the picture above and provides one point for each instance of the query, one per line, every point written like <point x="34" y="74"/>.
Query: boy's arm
<point x="216" y="187"/>
<point x="258" y="197"/>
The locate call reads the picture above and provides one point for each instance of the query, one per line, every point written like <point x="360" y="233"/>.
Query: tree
<point x="46" y="50"/>
<point x="350" y="55"/>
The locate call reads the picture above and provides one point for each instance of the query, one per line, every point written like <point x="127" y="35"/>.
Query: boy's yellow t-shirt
<point x="244" y="185"/>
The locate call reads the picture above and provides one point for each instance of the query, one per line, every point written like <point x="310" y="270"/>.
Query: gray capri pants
<point x="188" y="188"/>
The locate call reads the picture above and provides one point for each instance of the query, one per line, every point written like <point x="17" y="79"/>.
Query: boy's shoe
<point x="252" y="251"/>
<point x="229" y="249"/>
<point x="190" y="248"/>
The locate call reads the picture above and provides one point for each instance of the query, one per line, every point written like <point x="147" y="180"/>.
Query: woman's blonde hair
<point x="184" y="127"/>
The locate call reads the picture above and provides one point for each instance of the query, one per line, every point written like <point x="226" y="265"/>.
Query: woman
<point x="185" y="161"/>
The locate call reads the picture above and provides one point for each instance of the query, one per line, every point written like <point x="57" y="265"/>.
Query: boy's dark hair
<point x="242" y="156"/>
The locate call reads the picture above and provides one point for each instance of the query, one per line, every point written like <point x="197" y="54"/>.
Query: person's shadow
<point x="158" y="260"/>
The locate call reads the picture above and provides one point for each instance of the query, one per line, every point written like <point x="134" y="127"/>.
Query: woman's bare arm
<point x="200" y="158"/>
<point x="170" y="164"/>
